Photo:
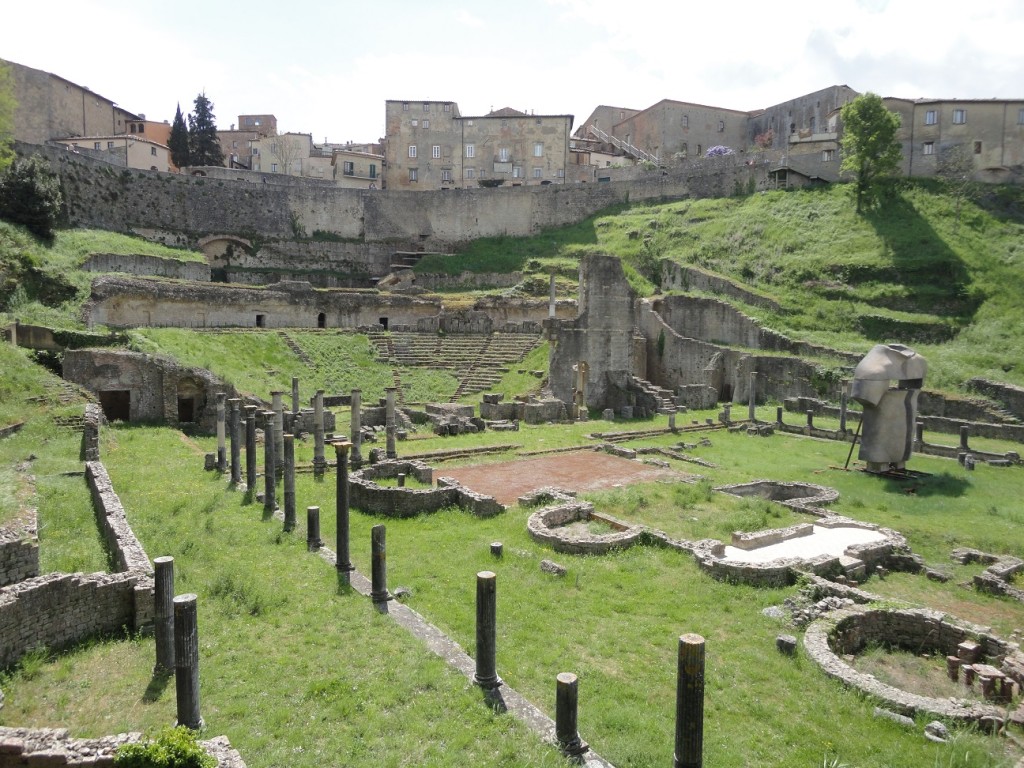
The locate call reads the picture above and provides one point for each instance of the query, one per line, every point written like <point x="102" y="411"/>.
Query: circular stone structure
<point x="556" y="526"/>
<point x="849" y="630"/>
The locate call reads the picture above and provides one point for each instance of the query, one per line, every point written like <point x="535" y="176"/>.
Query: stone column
<point x="566" y="701"/>
<point x="689" y="749"/>
<point x="486" y="675"/>
<point x="919" y="432"/>
<point x="313" y="540"/>
<point x="389" y="423"/>
<point x="163" y="621"/>
<point x="186" y="661"/>
<point x="277" y="406"/>
<point x="778" y="415"/>
<point x="295" y="400"/>
<point x="342" y="560"/>
<point x="289" y="482"/>
<point x="319" y="460"/>
<point x="222" y="454"/>
<point x="250" y="448"/>
<point x="810" y="419"/>
<point x="752" y="398"/>
<point x="672" y="420"/>
<point x="965" y="432"/>
<point x="234" y="426"/>
<point x="356" y="430"/>
<point x="552" y="305"/>
<point x="378" y="565"/>
<point x="269" y="462"/>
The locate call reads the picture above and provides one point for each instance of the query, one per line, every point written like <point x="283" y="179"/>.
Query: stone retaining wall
<point x="1012" y="397"/>
<point x="19" y="549"/>
<point x="91" y="432"/>
<point x="847" y="631"/>
<point x="54" y="747"/>
<point x="152" y="266"/>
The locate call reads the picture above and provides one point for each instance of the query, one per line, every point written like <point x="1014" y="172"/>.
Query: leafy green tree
<point x="204" y="149"/>
<point x="871" y="148"/>
<point x="177" y="142"/>
<point x="7" y="106"/>
<point x="30" y="195"/>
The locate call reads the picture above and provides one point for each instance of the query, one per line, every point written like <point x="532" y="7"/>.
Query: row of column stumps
<point x="176" y="628"/>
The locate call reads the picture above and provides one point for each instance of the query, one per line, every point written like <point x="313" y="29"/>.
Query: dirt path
<point x="577" y="471"/>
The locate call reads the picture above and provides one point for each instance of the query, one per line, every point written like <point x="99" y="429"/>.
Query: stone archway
<point x="222" y="252"/>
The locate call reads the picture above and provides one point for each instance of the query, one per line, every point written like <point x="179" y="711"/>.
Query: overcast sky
<point x="326" y="68"/>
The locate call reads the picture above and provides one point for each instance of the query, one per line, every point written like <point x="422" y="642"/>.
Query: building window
<point x="928" y="148"/>
<point x="446" y="175"/>
<point x="95" y="145"/>
<point x="721" y="125"/>
<point x="931" y="117"/>
<point x="110" y="145"/>
<point x="469" y="123"/>
<point x="435" y="151"/>
<point x="538" y="173"/>
<point x="470" y="173"/>
<point x="373" y="170"/>
<point x="412" y="150"/>
<point x="415" y="123"/>
<point x="977" y="147"/>
<point x="699" y="149"/>
<point x="426" y="123"/>
<point x="255" y="150"/>
<point x="131" y="127"/>
<point x="503" y="155"/>
<point x="405" y="106"/>
<point x="517" y="172"/>
<point x="414" y="174"/>
<point x="273" y="167"/>
<point x="152" y="151"/>
<point x="348" y="168"/>
<point x="959" y="116"/>
<point x="538" y="149"/>
<point x="426" y="107"/>
<point x="561" y="173"/>
<point x="684" y="148"/>
<point x="504" y="123"/>
<point x="828" y="155"/>
<point x="447" y="107"/>
<point x="686" y="121"/>
<point x="470" y="150"/>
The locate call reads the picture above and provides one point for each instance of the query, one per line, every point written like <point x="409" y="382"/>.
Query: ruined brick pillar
<point x="250" y="448"/>
<point x="289" y="482"/>
<point x="163" y="621"/>
<point x="319" y="460"/>
<point x="235" y="432"/>
<point x="389" y="423"/>
<point x="222" y="456"/>
<point x="186" y="661"/>
<point x="356" y="430"/>
<point x="689" y="748"/>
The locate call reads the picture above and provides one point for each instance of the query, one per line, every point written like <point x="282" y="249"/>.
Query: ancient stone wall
<point x="153" y="266"/>
<point x="19" y="548"/>
<point x="1011" y="397"/>
<point x="683" y="278"/>
<point x="60" y="609"/>
<point x="99" y="195"/>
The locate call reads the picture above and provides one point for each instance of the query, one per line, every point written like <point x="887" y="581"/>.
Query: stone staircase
<point x="663" y="397"/>
<point x="478" y="361"/>
<point x="299" y="351"/>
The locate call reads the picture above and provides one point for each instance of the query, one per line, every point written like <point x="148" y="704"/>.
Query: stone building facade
<point x="126" y="150"/>
<point x="50" y="107"/>
<point x="676" y="130"/>
<point x="989" y="131"/>
<point x="429" y="145"/>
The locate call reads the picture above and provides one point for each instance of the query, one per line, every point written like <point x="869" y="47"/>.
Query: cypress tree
<point x="204" y="149"/>
<point x="178" y="140"/>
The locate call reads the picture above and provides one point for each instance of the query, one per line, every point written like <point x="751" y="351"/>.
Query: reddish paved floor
<point x="577" y="471"/>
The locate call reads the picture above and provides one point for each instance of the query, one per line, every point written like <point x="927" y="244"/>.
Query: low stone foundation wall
<point x="802" y="497"/>
<point x="54" y="747"/>
<point x="60" y="609"/>
<point x="392" y="501"/>
<point x="554" y="527"/>
<point x="91" y="432"/>
<point x="849" y="630"/>
<point x="19" y="549"/>
<point x="148" y="266"/>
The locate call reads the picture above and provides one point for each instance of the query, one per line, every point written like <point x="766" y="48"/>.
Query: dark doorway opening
<point x="116" y="404"/>
<point x="384" y="323"/>
<point x="261" y="321"/>
<point x="186" y="410"/>
<point x="725" y="396"/>
<point x="321" y="320"/>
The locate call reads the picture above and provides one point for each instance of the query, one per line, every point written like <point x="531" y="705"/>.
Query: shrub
<point x="30" y="196"/>
<point x="172" y="748"/>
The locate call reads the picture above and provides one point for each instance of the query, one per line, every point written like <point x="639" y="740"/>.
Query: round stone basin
<point x="821" y="541"/>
